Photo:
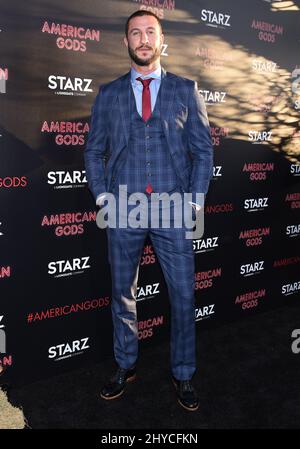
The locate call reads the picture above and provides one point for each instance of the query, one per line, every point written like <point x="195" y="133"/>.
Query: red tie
<point x="146" y="99"/>
<point x="146" y="110"/>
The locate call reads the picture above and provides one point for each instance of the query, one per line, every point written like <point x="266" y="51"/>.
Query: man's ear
<point x="125" y="41"/>
<point x="162" y="39"/>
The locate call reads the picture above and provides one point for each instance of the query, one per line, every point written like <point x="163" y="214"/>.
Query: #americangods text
<point x="69" y="223"/>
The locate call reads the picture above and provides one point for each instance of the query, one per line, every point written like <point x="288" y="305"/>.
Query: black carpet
<point x="248" y="377"/>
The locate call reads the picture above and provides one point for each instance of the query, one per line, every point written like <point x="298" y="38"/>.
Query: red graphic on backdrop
<point x="204" y="279"/>
<point x="60" y="311"/>
<point x="217" y="134"/>
<point x="5" y="272"/>
<point x="156" y="6"/>
<point x="69" y="223"/>
<point x="148" y="257"/>
<point x="250" y="299"/>
<point x="293" y="199"/>
<point x="287" y="261"/>
<point x="71" y="37"/>
<point x="67" y="133"/>
<point x="219" y="208"/>
<point x="162" y="4"/>
<point x="267" y="31"/>
<point x="254" y="237"/>
<point x="258" y="170"/>
<point x="13" y="182"/>
<point x="146" y="327"/>
<point x="6" y="361"/>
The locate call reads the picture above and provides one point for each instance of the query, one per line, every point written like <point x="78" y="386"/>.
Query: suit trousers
<point x="176" y="257"/>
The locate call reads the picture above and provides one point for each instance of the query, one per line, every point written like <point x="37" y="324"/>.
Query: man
<point x="150" y="133"/>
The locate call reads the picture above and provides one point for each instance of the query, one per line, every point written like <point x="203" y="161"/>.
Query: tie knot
<point x="146" y="82"/>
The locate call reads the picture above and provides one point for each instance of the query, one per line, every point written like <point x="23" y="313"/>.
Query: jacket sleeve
<point x="95" y="149"/>
<point x="200" y="144"/>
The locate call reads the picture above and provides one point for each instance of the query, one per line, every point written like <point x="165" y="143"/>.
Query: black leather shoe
<point x="186" y="395"/>
<point x="116" y="385"/>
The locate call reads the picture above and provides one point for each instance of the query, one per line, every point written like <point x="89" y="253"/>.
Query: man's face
<point x="144" y="40"/>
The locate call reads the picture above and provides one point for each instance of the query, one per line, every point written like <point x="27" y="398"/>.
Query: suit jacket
<point x="185" y="125"/>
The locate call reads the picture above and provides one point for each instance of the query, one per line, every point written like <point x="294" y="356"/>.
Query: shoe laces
<point x="186" y="385"/>
<point x="120" y="375"/>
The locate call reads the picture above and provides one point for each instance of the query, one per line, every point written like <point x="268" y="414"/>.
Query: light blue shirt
<point x="138" y="87"/>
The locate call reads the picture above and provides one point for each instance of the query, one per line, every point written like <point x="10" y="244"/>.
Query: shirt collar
<point x="156" y="74"/>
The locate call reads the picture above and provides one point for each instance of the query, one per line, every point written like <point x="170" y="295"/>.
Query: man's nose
<point x="145" y="38"/>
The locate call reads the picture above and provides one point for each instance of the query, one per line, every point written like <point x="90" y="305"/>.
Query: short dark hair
<point x="139" y="13"/>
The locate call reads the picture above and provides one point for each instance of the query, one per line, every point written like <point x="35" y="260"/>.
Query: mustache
<point x="144" y="47"/>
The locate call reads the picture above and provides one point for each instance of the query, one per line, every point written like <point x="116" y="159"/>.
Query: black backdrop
<point x="54" y="276"/>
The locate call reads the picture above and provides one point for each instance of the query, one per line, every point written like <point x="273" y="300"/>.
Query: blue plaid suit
<point x="186" y="132"/>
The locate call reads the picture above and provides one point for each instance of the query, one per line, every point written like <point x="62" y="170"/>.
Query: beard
<point x="144" y="62"/>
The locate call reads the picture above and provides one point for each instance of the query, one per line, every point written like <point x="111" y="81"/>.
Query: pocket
<point x="180" y="114"/>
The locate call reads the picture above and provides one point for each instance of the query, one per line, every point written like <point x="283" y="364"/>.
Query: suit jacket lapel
<point x="167" y="97"/>
<point x="124" y="103"/>
<point x="167" y="94"/>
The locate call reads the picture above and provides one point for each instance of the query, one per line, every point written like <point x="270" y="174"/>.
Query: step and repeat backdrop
<point x="55" y="280"/>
